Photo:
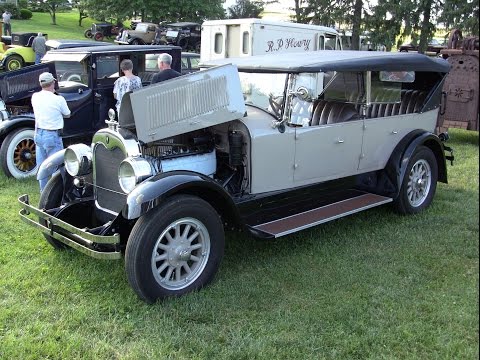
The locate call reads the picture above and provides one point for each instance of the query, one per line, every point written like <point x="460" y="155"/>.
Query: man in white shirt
<point x="49" y="110"/>
<point x="7" y="27"/>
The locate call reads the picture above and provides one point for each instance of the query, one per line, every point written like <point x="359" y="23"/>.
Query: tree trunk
<point x="356" y="21"/>
<point x="425" y="31"/>
<point x="297" y="11"/>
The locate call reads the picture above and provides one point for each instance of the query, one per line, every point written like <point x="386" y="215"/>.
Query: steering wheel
<point x="275" y="106"/>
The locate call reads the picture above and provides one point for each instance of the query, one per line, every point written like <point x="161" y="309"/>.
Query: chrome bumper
<point x="78" y="239"/>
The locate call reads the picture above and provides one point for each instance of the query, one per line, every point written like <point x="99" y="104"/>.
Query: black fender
<point x="398" y="162"/>
<point x="16" y="122"/>
<point x="153" y="191"/>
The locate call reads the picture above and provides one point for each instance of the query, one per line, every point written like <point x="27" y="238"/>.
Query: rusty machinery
<point x="461" y="85"/>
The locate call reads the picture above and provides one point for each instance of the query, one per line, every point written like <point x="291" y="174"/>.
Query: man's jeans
<point x="38" y="57"/>
<point x="47" y="142"/>
<point x="7" y="29"/>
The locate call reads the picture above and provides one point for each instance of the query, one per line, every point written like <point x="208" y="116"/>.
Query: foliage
<point x="15" y="11"/>
<point x="25" y="14"/>
<point x="461" y="14"/>
<point x="245" y="9"/>
<point x="50" y="6"/>
<point x="155" y="10"/>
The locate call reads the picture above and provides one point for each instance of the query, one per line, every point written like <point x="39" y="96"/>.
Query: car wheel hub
<point x="419" y="183"/>
<point x="180" y="253"/>
<point x="24" y="156"/>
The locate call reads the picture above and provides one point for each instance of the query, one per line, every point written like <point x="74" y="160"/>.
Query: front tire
<point x="13" y="63"/>
<point x="174" y="249"/>
<point x="419" y="183"/>
<point x="98" y="36"/>
<point x="50" y="198"/>
<point x="17" y="154"/>
<point x="88" y="33"/>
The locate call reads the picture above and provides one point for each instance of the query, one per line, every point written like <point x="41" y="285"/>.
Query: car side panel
<point x="382" y="135"/>
<point x="272" y="153"/>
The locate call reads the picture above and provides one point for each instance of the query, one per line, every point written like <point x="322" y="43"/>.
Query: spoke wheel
<point x="181" y="253"/>
<point x="13" y="63"/>
<point x="419" y="182"/>
<point x="18" y="154"/>
<point x="174" y="249"/>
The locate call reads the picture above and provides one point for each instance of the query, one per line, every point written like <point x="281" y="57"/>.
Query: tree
<point x="245" y="9"/>
<point x="82" y="10"/>
<point x="318" y="12"/>
<point x="52" y="6"/>
<point x="461" y="14"/>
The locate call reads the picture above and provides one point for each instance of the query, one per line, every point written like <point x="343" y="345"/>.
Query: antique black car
<point x="85" y="78"/>
<point x="100" y="31"/>
<point x="184" y="34"/>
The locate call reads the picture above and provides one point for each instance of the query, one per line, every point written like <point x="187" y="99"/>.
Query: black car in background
<point x="433" y="48"/>
<point x="85" y="79"/>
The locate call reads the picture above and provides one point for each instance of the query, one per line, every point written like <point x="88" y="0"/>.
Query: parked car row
<point x="433" y="48"/>
<point x="187" y="35"/>
<point x="85" y="78"/>
<point x="20" y="53"/>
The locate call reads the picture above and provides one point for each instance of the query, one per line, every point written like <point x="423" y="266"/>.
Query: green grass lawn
<point x="66" y="28"/>
<point x="374" y="285"/>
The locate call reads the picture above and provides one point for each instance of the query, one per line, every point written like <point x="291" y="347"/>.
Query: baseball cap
<point x="46" y="78"/>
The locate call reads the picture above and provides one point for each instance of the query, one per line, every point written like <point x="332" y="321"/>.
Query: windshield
<point x="141" y="27"/>
<point x="71" y="71"/>
<point x="260" y="88"/>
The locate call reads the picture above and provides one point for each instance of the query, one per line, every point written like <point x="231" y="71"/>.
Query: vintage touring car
<point x="271" y="145"/>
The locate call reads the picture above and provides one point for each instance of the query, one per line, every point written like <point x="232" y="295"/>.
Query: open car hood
<point x="20" y="84"/>
<point x="184" y="104"/>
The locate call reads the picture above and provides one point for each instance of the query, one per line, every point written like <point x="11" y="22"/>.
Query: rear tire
<point x="18" y="154"/>
<point x="174" y="249"/>
<point x="50" y="198"/>
<point x="98" y="36"/>
<point x="419" y="183"/>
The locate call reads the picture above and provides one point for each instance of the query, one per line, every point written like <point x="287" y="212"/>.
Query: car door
<point x="329" y="131"/>
<point x="326" y="152"/>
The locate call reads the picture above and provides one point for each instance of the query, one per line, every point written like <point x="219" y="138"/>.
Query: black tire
<point x="137" y="42"/>
<point x="153" y="236"/>
<point x="88" y="33"/>
<point x="18" y="154"/>
<point x="14" y="62"/>
<point x="50" y="198"/>
<point x="419" y="183"/>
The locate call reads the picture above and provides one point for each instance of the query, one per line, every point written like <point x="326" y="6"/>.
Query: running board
<point x="320" y="215"/>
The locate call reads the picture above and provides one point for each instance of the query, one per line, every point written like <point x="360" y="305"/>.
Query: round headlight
<point x="78" y="159"/>
<point x="133" y="171"/>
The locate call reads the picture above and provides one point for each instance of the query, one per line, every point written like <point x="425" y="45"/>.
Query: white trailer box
<point x="247" y="37"/>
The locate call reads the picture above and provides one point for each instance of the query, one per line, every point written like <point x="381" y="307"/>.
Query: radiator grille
<point x="109" y="194"/>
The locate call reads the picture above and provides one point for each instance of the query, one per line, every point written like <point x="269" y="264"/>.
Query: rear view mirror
<point x="397" y="76"/>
